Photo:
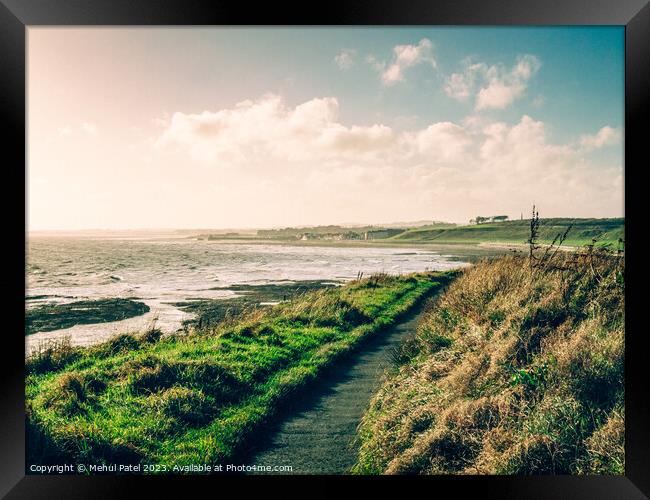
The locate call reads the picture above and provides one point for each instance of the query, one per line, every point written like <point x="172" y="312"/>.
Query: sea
<point x="161" y="271"/>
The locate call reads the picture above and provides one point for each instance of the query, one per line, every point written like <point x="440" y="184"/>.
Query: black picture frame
<point x="17" y="15"/>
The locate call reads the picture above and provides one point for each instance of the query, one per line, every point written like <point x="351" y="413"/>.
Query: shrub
<point x="148" y="374"/>
<point x="212" y="379"/>
<point x="185" y="406"/>
<point x="51" y="355"/>
<point x="73" y="391"/>
<point x="119" y="344"/>
<point x="151" y="336"/>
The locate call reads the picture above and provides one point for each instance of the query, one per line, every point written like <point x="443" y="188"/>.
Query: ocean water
<point x="161" y="271"/>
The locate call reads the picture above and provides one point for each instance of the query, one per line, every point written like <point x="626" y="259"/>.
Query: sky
<point x="135" y="128"/>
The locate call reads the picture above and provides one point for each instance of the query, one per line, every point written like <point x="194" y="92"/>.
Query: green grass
<point x="55" y="316"/>
<point x="606" y="231"/>
<point x="208" y="312"/>
<point x="515" y="370"/>
<point x="199" y="398"/>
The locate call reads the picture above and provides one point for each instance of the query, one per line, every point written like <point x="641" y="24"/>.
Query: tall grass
<point x="517" y="369"/>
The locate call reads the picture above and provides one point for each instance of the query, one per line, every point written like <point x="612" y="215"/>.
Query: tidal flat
<point x="48" y="317"/>
<point x="209" y="312"/>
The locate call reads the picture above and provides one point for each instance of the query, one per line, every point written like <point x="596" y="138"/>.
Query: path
<point x="318" y="431"/>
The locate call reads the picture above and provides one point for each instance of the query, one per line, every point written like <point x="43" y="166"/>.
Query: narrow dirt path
<point x="316" y="434"/>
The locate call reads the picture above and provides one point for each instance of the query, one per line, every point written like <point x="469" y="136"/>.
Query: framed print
<point x="378" y="242"/>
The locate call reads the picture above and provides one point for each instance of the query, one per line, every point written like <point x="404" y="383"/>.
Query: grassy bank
<point x="198" y="398"/>
<point x="50" y="317"/>
<point x="605" y="231"/>
<point x="209" y="312"/>
<point x="515" y="370"/>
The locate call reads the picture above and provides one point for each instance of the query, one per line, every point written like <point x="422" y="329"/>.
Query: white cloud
<point x="296" y="159"/>
<point x="267" y="129"/>
<point x="89" y="128"/>
<point x="458" y="87"/>
<point x="498" y="95"/>
<point x="461" y="85"/>
<point x="444" y="141"/>
<point x="606" y="136"/>
<point x="495" y="87"/>
<point x="345" y="59"/>
<point x="404" y="57"/>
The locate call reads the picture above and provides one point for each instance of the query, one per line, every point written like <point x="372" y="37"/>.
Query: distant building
<point x="492" y="218"/>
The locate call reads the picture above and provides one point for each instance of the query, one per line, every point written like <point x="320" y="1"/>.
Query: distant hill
<point x="347" y="232"/>
<point x="605" y="231"/>
<point x="420" y="223"/>
<point x="583" y="231"/>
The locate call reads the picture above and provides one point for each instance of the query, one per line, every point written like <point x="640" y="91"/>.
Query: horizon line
<point x="295" y="226"/>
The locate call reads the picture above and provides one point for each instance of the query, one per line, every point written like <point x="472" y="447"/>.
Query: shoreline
<point x="513" y="246"/>
<point x="442" y="248"/>
<point x="389" y="243"/>
<point x="171" y="315"/>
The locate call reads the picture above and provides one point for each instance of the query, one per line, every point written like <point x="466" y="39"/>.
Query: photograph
<point x="325" y="250"/>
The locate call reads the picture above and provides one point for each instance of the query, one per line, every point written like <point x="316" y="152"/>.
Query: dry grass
<point x="51" y="355"/>
<point x="518" y="369"/>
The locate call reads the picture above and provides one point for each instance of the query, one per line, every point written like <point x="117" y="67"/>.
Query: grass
<point x="209" y="312"/>
<point x="605" y="231"/>
<point x="515" y="370"/>
<point x="55" y="316"/>
<point x="200" y="397"/>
